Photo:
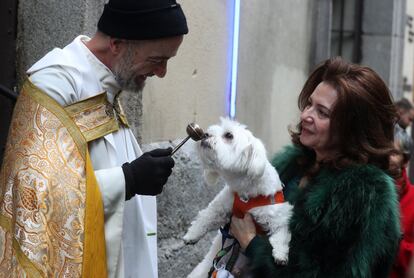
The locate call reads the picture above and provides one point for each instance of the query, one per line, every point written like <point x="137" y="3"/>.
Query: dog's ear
<point x="211" y="176"/>
<point x="254" y="158"/>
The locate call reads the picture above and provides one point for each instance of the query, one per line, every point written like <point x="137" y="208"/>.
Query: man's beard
<point x="125" y="74"/>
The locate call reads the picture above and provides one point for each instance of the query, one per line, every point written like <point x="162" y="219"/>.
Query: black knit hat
<point x="142" y="19"/>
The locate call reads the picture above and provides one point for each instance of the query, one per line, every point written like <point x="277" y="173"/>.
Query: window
<point x="346" y="29"/>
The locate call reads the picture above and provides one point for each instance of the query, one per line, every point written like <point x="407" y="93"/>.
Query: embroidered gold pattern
<point x="42" y="196"/>
<point x="94" y="116"/>
<point x="120" y="110"/>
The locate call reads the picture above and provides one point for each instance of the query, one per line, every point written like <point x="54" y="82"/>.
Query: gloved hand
<point x="147" y="174"/>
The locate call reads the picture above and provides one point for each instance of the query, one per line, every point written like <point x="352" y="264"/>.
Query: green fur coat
<point x="345" y="223"/>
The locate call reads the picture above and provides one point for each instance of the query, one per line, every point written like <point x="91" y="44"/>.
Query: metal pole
<point x="357" y="51"/>
<point x="341" y="28"/>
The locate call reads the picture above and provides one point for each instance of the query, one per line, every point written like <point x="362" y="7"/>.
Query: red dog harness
<point x="240" y="207"/>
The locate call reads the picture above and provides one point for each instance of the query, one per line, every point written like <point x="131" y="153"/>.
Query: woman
<point x="345" y="220"/>
<point x="405" y="189"/>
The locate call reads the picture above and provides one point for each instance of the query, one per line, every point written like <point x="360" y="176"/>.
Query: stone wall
<point x="383" y="40"/>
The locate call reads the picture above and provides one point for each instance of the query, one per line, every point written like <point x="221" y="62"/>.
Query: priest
<point x="77" y="196"/>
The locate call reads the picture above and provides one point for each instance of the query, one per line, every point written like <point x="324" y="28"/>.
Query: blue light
<point x="234" y="60"/>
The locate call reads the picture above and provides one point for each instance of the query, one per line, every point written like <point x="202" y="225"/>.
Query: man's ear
<point x="115" y="46"/>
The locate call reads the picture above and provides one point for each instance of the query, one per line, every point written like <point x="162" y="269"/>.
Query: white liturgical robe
<point x="70" y="75"/>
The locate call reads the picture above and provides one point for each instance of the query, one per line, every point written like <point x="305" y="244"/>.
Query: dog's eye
<point x="228" y="135"/>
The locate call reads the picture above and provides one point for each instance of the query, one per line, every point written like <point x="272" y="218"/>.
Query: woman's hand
<point x="243" y="229"/>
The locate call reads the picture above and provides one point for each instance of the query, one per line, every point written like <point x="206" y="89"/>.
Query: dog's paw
<point x="189" y="240"/>
<point x="280" y="256"/>
<point x="278" y="262"/>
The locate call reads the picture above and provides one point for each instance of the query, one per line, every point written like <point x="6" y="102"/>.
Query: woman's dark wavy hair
<point x="362" y="120"/>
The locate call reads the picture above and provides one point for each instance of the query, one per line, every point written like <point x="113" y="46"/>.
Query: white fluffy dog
<point x="231" y="152"/>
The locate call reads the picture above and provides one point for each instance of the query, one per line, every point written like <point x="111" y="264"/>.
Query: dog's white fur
<point x="231" y="152"/>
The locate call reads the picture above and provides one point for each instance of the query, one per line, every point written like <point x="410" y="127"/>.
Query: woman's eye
<point x="323" y="114"/>
<point x="228" y="135"/>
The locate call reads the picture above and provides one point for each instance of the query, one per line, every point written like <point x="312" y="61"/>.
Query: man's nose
<point x="161" y="70"/>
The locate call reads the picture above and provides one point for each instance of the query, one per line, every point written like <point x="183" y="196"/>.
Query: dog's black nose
<point x="204" y="142"/>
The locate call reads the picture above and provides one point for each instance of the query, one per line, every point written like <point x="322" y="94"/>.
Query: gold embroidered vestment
<point x="51" y="210"/>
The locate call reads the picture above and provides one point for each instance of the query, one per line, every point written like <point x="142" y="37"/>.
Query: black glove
<point x="147" y="174"/>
